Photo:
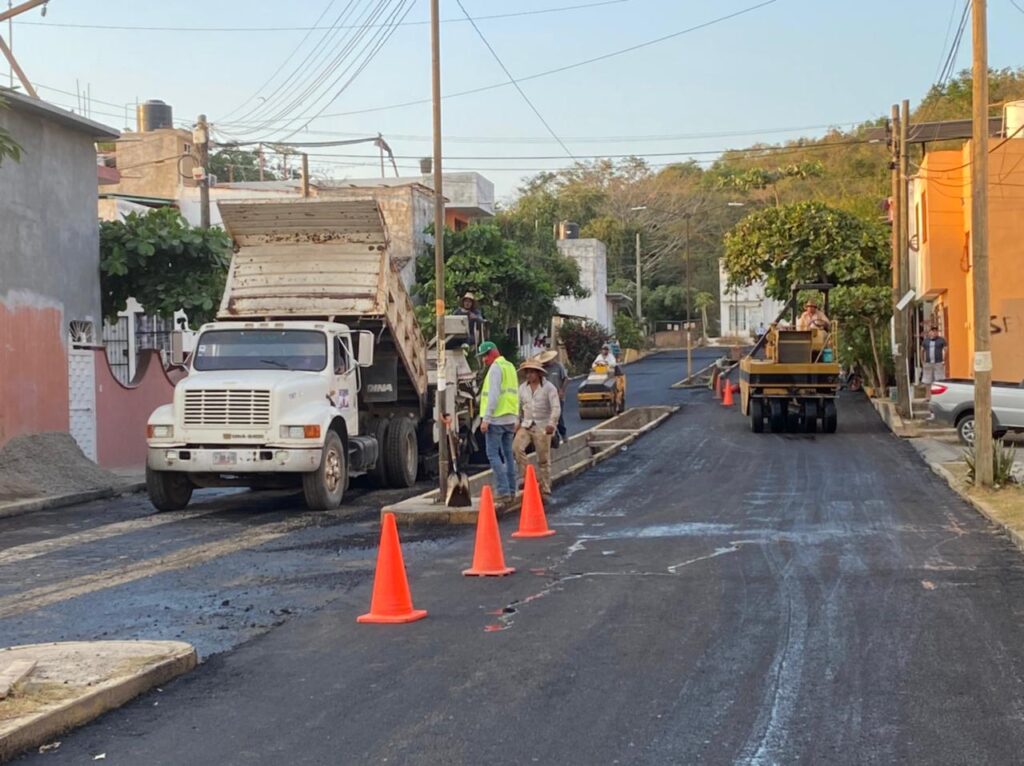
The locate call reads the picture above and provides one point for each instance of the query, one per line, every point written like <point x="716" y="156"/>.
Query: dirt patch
<point x="48" y="464"/>
<point x="1006" y="503"/>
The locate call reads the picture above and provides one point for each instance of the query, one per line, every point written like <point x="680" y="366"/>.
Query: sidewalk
<point x="939" y="447"/>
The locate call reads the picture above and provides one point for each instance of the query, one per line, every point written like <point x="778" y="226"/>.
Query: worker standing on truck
<point x="539" y="409"/>
<point x="469" y="307"/>
<point x="500" y="408"/>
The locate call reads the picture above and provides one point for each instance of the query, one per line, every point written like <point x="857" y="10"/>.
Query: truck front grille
<point x="227" y="407"/>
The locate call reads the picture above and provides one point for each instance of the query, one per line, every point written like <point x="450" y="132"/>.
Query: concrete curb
<point x="18" y="507"/>
<point x="44" y="727"/>
<point x="980" y="506"/>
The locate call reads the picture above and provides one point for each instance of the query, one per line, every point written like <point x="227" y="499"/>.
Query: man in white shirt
<point x="539" y="408"/>
<point x="606" y="357"/>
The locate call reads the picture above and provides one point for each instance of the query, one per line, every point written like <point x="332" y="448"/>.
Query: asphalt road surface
<point x="711" y="596"/>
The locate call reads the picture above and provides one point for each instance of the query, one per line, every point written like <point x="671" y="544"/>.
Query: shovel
<point x="458" y="481"/>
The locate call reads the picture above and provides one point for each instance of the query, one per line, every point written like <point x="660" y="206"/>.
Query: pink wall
<point x="122" y="412"/>
<point x="33" y="371"/>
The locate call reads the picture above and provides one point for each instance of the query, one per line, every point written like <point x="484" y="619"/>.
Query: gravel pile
<point x="48" y="464"/>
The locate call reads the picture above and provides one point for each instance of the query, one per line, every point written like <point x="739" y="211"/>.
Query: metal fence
<point x="122" y="353"/>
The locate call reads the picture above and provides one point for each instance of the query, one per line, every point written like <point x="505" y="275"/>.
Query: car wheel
<point x="965" y="429"/>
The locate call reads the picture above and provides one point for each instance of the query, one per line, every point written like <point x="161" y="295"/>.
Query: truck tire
<point x="757" y="415"/>
<point x="378" y="474"/>
<point x="829" y="417"/>
<point x="778" y="415"/>
<point x="325" y="487"/>
<point x="401" y="453"/>
<point x="810" y="416"/>
<point x="168" y="490"/>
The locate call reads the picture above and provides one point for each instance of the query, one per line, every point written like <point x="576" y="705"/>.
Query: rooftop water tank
<point x="153" y="115"/>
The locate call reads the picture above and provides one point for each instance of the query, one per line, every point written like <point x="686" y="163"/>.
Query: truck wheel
<point x="324" y="487"/>
<point x="778" y="416"/>
<point x="810" y="416"/>
<point x="757" y="415"/>
<point x="830" y="417"/>
<point x="965" y="429"/>
<point x="168" y="490"/>
<point x="401" y="453"/>
<point x="378" y="474"/>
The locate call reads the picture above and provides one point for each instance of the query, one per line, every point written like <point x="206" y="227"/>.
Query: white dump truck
<point x="315" y="370"/>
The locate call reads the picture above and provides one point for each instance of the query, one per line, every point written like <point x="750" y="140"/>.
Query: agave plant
<point x="1003" y="456"/>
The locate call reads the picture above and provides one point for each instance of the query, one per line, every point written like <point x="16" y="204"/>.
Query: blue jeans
<point x="498" y="441"/>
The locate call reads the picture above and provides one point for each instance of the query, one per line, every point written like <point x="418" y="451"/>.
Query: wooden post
<point x="439" y="287"/>
<point x="305" y="174"/>
<point x="902" y="325"/>
<point x="983" y="469"/>
<point x="897" y="217"/>
<point x="201" y="138"/>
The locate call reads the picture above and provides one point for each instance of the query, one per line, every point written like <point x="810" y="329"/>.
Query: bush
<point x="1003" y="456"/>
<point x="582" y="340"/>
<point x="629" y="333"/>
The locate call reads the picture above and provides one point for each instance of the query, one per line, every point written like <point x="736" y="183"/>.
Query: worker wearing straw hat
<point x="539" y="409"/>
<point x="559" y="378"/>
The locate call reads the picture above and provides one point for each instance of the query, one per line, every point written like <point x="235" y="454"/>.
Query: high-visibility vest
<point x="508" y="398"/>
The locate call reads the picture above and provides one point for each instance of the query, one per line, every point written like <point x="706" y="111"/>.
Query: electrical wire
<point x="129" y="28"/>
<point x="512" y="80"/>
<point x="564" y="68"/>
<point x="295" y="50"/>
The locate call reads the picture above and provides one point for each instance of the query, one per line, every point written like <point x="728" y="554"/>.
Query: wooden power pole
<point x="439" y="288"/>
<point x="896" y="211"/>
<point x="902" y="323"/>
<point x="983" y="469"/>
<point x="201" y="138"/>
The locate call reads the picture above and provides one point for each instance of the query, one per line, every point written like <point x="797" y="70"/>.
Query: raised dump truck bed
<point x="309" y="259"/>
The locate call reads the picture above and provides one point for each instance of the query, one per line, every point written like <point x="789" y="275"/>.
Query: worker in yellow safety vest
<point x="499" y="407"/>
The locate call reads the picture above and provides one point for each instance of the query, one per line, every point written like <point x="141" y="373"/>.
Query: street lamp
<point x="639" y="275"/>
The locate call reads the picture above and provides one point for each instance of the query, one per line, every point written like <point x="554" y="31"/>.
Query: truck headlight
<point x="159" y="432"/>
<point x="300" y="432"/>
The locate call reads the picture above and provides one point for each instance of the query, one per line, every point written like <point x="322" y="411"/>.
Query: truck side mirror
<point x="365" y="350"/>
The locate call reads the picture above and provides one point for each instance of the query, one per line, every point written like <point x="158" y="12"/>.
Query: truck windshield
<point x="261" y="350"/>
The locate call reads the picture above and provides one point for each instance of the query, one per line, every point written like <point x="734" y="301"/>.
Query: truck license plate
<point x="225" y="458"/>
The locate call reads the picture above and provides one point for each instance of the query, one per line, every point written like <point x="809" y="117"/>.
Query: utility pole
<point x="439" y="290"/>
<point x="689" y="321"/>
<point x="201" y="138"/>
<point x="639" y="288"/>
<point x="902" y="325"/>
<point x="305" y="174"/>
<point x="263" y="164"/>
<point x="894" y="212"/>
<point x="983" y="469"/>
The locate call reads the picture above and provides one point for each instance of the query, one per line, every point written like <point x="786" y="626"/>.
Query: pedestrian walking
<point x="539" y="409"/>
<point x="933" y="358"/>
<point x="500" y="407"/>
<point x="559" y="378"/>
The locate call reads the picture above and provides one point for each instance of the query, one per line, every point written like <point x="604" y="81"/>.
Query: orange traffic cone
<point x="391" y="600"/>
<point x="727" y="395"/>
<point x="532" y="522"/>
<point x="488" y="558"/>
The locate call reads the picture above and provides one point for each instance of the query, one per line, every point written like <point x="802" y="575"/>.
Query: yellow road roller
<point x="790" y="379"/>
<point x="603" y="393"/>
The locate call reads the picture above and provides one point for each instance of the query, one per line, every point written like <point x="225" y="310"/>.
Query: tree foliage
<point x="582" y="340"/>
<point x="164" y="263"/>
<point x="812" y="242"/>
<point x="239" y="165"/>
<point x="9" y="148"/>
<point x="515" y="283"/>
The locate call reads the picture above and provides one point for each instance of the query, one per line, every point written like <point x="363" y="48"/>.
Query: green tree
<point x="238" y="164"/>
<point x="952" y="100"/>
<point x="515" y="283"/>
<point x="164" y="263"/>
<point x="582" y="340"/>
<point x="812" y="242"/>
<point x="9" y="148"/>
<point x="702" y="301"/>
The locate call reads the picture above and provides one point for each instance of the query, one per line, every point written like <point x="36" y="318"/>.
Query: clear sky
<point x="797" y="64"/>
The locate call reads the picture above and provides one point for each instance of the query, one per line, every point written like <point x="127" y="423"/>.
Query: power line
<point x="129" y="28"/>
<point x="512" y="79"/>
<point x="1014" y="3"/>
<point x="565" y="68"/>
<point x="284" y="63"/>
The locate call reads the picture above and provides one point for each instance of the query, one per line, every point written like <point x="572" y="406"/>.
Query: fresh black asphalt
<point x="712" y="596"/>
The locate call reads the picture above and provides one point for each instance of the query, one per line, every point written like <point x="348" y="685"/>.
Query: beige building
<point x="156" y="163"/>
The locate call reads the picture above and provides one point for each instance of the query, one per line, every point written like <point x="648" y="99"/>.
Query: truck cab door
<point x="344" y="383"/>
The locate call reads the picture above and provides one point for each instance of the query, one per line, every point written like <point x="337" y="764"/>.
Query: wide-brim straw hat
<point x="546" y="356"/>
<point x="530" y="364"/>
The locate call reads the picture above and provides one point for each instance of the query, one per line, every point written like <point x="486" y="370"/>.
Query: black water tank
<point x="568" y="230"/>
<point x="153" y="115"/>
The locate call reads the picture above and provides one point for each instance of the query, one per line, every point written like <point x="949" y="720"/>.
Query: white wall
<point x="592" y="257"/>
<point x="747" y="304"/>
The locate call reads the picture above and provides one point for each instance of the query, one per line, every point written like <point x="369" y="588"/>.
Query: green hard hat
<point x="485" y="348"/>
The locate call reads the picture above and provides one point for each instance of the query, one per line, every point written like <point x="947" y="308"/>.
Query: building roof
<point x="19" y="102"/>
